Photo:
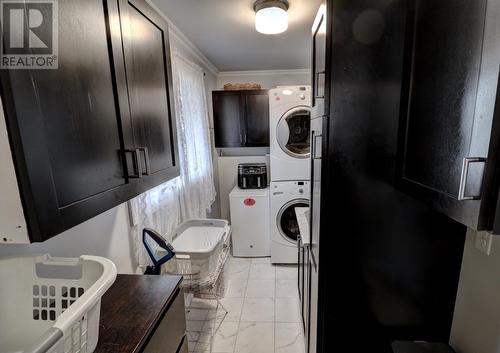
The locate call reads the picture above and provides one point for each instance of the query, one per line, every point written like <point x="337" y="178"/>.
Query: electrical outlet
<point x="483" y="242"/>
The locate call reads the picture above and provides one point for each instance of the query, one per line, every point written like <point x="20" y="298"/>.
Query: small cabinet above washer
<point x="241" y="118"/>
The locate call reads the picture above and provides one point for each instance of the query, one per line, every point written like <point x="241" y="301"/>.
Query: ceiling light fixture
<point x="271" y="16"/>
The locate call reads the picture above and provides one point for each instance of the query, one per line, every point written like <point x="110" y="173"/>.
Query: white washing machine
<point x="250" y="222"/>
<point x="290" y="116"/>
<point x="285" y="196"/>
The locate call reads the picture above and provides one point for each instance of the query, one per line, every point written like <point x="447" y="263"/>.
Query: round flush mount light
<point x="271" y="16"/>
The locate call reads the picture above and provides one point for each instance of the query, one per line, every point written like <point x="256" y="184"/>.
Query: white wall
<point x="109" y="234"/>
<point x="267" y="78"/>
<point x="476" y="322"/>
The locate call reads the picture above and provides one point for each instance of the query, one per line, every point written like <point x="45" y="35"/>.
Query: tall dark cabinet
<point x="98" y="130"/>
<point x="447" y="112"/>
<point x="389" y="263"/>
<point x="241" y="118"/>
<point x="319" y="129"/>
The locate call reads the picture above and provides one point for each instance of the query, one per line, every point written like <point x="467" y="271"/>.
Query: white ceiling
<point x="224" y="31"/>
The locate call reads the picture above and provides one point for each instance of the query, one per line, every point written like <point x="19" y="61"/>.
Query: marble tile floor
<point x="264" y="315"/>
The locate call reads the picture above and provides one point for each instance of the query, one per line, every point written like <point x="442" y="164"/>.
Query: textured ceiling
<point x="224" y="31"/>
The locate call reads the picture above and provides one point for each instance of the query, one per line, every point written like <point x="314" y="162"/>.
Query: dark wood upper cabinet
<point x="151" y="125"/>
<point x="227" y="122"/>
<point x="256" y="105"/>
<point x="70" y="128"/>
<point x="241" y="118"/>
<point x="452" y="74"/>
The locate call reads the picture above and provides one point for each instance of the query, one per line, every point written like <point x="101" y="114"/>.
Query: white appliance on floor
<point x="285" y="197"/>
<point x="290" y="116"/>
<point x="250" y="222"/>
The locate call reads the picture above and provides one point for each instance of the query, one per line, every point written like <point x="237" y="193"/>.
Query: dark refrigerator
<point x="382" y="265"/>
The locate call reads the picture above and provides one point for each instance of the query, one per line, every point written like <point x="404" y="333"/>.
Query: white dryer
<point x="284" y="228"/>
<point x="290" y="116"/>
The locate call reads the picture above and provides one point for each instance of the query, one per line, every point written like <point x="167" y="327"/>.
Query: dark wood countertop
<point x="132" y="309"/>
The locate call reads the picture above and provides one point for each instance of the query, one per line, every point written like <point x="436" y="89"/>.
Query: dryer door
<point x="293" y="132"/>
<point x="287" y="220"/>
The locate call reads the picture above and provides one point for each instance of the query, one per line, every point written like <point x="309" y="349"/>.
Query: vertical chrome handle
<point x="320" y="84"/>
<point x="315" y="143"/>
<point x="146" y="160"/>
<point x="463" y="178"/>
<point x="245" y="138"/>
<point x="137" y="163"/>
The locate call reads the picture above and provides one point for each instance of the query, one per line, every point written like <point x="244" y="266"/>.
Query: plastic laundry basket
<point x="50" y="304"/>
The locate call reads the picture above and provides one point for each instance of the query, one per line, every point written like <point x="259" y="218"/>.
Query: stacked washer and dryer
<point x="290" y="116"/>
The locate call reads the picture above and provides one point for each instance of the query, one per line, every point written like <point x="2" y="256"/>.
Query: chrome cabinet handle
<point x="147" y="162"/>
<point x="320" y="83"/>
<point x="463" y="179"/>
<point x="316" y="137"/>
<point x="137" y="163"/>
<point x="313" y="145"/>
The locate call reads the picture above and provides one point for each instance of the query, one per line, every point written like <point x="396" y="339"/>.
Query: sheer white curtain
<point x="197" y="191"/>
<point x="192" y="194"/>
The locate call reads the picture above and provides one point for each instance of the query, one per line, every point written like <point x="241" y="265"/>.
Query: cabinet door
<point x="256" y="133"/>
<point x="228" y="114"/>
<point x="151" y="127"/>
<point x="441" y="126"/>
<point x="64" y="125"/>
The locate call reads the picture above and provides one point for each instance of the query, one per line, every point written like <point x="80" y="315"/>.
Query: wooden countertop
<point x="132" y="309"/>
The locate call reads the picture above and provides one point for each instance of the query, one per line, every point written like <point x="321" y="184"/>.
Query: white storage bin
<point x="50" y="304"/>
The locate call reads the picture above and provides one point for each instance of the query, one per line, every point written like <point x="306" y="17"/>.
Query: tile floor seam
<point x="241" y="311"/>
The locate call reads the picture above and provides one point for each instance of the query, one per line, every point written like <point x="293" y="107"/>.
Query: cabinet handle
<point x="463" y="179"/>
<point x="137" y="163"/>
<point x="315" y="143"/>
<point x="320" y="84"/>
<point x="241" y="138"/>
<point x="147" y="162"/>
<point x="245" y="138"/>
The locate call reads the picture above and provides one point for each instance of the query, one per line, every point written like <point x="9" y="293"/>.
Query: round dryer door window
<point x="287" y="220"/>
<point x="293" y="132"/>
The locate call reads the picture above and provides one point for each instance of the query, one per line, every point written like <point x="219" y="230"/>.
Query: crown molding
<point x="264" y="72"/>
<point x="176" y="34"/>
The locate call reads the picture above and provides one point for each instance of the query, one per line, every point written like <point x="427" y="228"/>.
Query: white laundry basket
<point x="50" y="304"/>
